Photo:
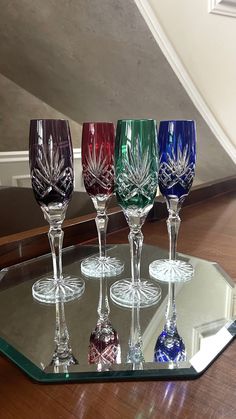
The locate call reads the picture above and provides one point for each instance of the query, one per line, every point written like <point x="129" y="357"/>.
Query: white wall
<point x="205" y="45"/>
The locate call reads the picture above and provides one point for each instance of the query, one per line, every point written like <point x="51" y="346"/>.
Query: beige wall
<point x="17" y="107"/>
<point x="94" y="61"/>
<point x="205" y="44"/>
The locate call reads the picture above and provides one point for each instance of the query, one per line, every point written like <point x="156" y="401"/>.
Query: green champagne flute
<point x="136" y="169"/>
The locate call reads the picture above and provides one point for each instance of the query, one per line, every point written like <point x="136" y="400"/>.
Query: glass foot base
<point x="125" y="294"/>
<point x="49" y="291"/>
<point x="61" y="365"/>
<point x="97" y="267"/>
<point x="166" y="270"/>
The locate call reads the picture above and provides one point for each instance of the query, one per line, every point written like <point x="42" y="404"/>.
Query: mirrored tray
<point x="205" y="306"/>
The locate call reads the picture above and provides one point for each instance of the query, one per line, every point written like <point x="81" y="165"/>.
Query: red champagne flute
<point x="98" y="139"/>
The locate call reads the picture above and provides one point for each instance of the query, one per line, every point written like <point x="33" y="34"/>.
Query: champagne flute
<point x="136" y="165"/>
<point x="98" y="140"/>
<point x="177" y="144"/>
<point x="170" y="346"/>
<point x="135" y="345"/>
<point x="63" y="356"/>
<point x="52" y="175"/>
<point x="104" y="344"/>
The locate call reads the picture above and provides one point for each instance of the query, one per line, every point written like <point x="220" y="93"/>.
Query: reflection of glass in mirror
<point x="104" y="346"/>
<point x="63" y="356"/>
<point x="52" y="175"/>
<point x="206" y="327"/>
<point x="98" y="141"/>
<point x="177" y="145"/>
<point x="170" y="346"/>
<point x="135" y="351"/>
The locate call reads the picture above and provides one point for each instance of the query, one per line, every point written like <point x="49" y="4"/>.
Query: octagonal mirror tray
<point x="205" y="320"/>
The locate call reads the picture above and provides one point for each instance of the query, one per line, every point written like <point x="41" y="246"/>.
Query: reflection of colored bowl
<point x="104" y="347"/>
<point x="169" y="348"/>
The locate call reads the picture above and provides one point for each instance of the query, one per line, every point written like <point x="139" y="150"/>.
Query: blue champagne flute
<point x="177" y="148"/>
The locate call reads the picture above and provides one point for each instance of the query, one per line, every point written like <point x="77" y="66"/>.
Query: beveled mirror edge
<point x="164" y="373"/>
<point x="38" y="375"/>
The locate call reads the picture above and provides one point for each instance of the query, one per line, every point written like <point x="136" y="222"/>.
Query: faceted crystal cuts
<point x="136" y="163"/>
<point x="51" y="161"/>
<point x="52" y="174"/>
<point x="98" y="140"/>
<point x="65" y="289"/>
<point x="177" y="145"/>
<point x="96" y="266"/>
<point x="169" y="348"/>
<point x="145" y="294"/>
<point x="136" y="181"/>
<point x="167" y="270"/>
<point x="104" y="347"/>
<point x="98" y="171"/>
<point x="177" y="169"/>
<point x="136" y="185"/>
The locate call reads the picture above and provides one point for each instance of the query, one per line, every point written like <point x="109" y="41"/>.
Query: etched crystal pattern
<point x="97" y="170"/>
<point x="177" y="169"/>
<point x="169" y="347"/>
<point x="136" y="182"/>
<point x="104" y="348"/>
<point x="49" y="173"/>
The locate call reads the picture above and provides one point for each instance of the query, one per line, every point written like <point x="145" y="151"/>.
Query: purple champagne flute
<point x="52" y="175"/>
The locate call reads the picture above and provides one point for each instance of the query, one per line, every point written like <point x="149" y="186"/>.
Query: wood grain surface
<point x="208" y="231"/>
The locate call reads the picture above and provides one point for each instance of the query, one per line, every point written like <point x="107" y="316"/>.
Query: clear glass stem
<point x="136" y="243"/>
<point x="173" y="224"/>
<point x="100" y="204"/>
<point x="103" y="303"/>
<point x="135" y="352"/>
<point x="55" y="236"/>
<point x="101" y="223"/>
<point x="171" y="314"/>
<point x="63" y="353"/>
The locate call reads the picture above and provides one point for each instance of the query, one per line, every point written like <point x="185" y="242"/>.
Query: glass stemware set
<point x="143" y="159"/>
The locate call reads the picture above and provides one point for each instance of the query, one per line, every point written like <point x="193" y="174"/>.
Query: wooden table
<point x="208" y="231"/>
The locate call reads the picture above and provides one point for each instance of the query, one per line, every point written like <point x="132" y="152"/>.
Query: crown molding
<point x="184" y="78"/>
<point x="222" y="7"/>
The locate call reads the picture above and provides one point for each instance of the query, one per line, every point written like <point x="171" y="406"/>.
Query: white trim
<point x="222" y="7"/>
<point x="14" y="168"/>
<point x="15" y="156"/>
<point x="16" y="180"/>
<point x="77" y="153"/>
<point x="182" y="74"/>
